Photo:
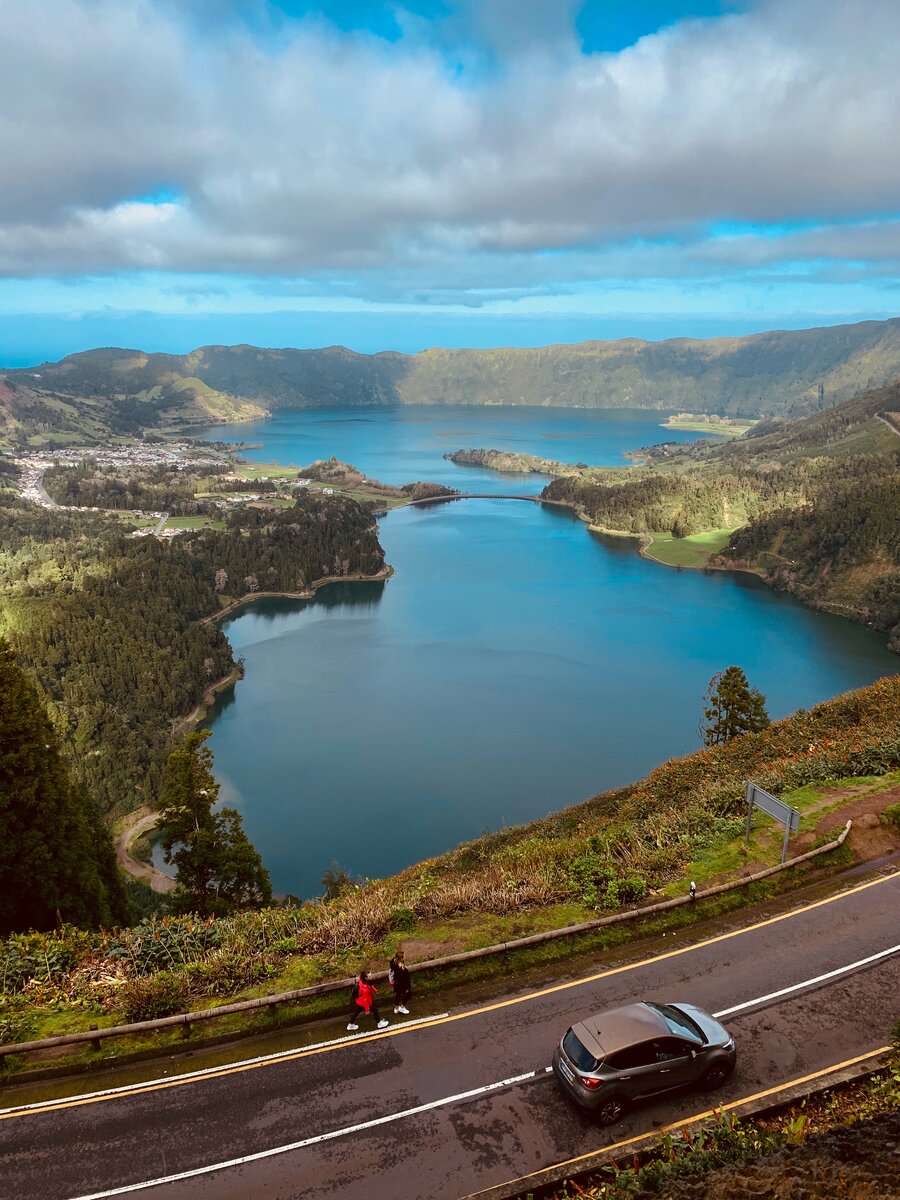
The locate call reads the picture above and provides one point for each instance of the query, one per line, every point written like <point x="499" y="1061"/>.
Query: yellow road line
<point x="677" y="1125"/>
<point x="239" y="1068"/>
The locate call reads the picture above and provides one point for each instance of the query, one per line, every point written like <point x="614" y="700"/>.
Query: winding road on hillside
<point x="461" y="1101"/>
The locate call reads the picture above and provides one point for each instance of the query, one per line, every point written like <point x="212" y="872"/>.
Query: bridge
<point x="535" y="499"/>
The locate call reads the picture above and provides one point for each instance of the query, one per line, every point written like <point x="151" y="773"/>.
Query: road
<point x="462" y="1101"/>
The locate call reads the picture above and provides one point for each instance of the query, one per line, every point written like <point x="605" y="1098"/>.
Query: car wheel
<point x="715" y="1076"/>
<point x="610" y="1110"/>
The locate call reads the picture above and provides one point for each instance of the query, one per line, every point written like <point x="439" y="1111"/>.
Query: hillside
<point x="782" y="373"/>
<point x="814" y="504"/>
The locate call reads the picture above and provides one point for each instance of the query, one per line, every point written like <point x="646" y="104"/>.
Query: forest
<point x="111" y="628"/>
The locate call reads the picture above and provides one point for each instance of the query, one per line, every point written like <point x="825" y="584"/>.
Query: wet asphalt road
<point x="72" y="1149"/>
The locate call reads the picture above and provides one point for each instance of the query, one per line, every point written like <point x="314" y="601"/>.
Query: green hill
<point x="782" y="373"/>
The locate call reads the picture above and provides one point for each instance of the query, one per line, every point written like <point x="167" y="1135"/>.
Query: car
<point x="643" y="1049"/>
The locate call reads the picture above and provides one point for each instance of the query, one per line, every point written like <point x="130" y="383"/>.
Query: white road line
<point x="322" y="1137"/>
<point x="124" y="1088"/>
<point x="807" y="983"/>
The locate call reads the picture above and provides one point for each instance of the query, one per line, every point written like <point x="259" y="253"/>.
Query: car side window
<point x="667" y="1048"/>
<point x="633" y="1056"/>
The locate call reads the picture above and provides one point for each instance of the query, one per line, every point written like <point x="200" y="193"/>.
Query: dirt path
<point x="141" y="821"/>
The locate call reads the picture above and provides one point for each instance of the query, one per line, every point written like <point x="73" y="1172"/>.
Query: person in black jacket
<point x="398" y="975"/>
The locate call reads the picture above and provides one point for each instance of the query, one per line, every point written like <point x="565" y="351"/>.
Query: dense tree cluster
<point x="56" y="858"/>
<point x="157" y="489"/>
<point x="842" y="551"/>
<point x="110" y="626"/>
<point x="731" y="707"/>
<point x="218" y="868"/>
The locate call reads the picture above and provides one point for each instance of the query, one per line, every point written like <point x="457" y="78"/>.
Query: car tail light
<point x="590" y="1083"/>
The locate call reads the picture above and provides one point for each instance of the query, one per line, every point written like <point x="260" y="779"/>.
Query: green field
<point x="712" y="427"/>
<point x="194" y="523"/>
<point x="693" y="551"/>
<point x="253" y="470"/>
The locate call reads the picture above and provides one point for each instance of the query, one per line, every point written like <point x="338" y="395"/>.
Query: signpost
<point x="789" y="817"/>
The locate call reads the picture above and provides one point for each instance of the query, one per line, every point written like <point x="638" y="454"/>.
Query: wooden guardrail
<point x="185" y="1021"/>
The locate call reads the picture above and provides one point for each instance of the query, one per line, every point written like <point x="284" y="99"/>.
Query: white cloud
<point x="331" y="155"/>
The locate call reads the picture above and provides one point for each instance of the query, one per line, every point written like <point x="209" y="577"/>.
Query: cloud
<point x="402" y="169"/>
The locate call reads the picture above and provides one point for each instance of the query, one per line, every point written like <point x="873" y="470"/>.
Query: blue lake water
<point x="515" y="664"/>
<point x="402" y="445"/>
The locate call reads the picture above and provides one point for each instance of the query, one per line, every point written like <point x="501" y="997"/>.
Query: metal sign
<point x="767" y="803"/>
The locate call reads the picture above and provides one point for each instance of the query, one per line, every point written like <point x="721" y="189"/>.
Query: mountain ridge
<point x="784" y="373"/>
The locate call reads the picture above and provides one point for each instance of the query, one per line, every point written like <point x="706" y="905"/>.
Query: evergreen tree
<point x="218" y="868"/>
<point x="56" y="857"/>
<point x="732" y="707"/>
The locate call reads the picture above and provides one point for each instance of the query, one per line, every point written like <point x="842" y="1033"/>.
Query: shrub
<point x="147" y="998"/>
<point x="624" y="891"/>
<point x="891" y="817"/>
<point x="403" y="920"/>
<point x="17" y="1022"/>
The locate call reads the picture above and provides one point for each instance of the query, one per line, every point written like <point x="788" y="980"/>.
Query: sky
<point x="442" y="172"/>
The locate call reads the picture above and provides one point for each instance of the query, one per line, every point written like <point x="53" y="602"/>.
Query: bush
<point x="147" y="998"/>
<point x="403" y="920"/>
<point x="17" y="1022"/>
<point x="624" y="891"/>
<point x="891" y="817"/>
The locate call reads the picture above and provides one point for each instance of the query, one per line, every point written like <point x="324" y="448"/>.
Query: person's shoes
<point x="352" y="1026"/>
<point x="398" y="1009"/>
<point x="382" y="1024"/>
<point x="402" y="1008"/>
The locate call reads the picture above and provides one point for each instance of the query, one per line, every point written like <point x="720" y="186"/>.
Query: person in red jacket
<point x="362" y="997"/>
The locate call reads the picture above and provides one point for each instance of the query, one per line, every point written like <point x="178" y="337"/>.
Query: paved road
<point x="401" y="1113"/>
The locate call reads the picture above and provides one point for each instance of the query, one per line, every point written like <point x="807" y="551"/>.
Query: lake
<point x="515" y="663"/>
<point x="403" y="445"/>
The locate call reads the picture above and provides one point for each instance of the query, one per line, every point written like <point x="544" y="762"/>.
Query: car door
<point x="636" y="1070"/>
<point x="675" y="1062"/>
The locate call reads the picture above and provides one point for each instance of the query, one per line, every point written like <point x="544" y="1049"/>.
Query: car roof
<point x="618" y="1028"/>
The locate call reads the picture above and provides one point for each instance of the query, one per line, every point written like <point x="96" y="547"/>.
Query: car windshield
<point x="579" y="1055"/>
<point x="679" y="1022"/>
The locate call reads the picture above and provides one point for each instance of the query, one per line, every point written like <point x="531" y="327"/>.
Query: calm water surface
<point x="513" y="665"/>
<point x="403" y="445"/>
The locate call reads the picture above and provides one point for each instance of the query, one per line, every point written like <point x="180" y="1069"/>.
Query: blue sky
<point x="442" y="172"/>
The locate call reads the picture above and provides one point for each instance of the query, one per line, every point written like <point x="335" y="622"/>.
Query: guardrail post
<point x="95" y="1042"/>
<point x="186" y="1029"/>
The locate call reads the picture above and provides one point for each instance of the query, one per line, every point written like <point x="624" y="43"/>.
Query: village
<point x="138" y="457"/>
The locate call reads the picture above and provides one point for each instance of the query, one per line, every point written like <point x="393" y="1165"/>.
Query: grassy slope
<point x="684" y="820"/>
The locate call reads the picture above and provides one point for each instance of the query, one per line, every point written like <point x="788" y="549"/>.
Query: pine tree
<point x="218" y="868"/>
<point x="732" y="707"/>
<point x="56" y="858"/>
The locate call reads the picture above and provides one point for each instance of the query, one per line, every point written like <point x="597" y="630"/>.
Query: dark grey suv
<point x="621" y="1055"/>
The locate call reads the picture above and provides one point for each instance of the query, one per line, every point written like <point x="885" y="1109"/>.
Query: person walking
<point x="362" y="998"/>
<point x="398" y="975"/>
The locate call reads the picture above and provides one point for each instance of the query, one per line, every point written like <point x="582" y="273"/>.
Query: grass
<point x="253" y="470"/>
<point x="716" y="427"/>
<point x="694" y="551"/>
<point x="194" y="523"/>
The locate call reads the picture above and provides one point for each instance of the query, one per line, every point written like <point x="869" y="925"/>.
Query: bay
<point x="513" y="665"/>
